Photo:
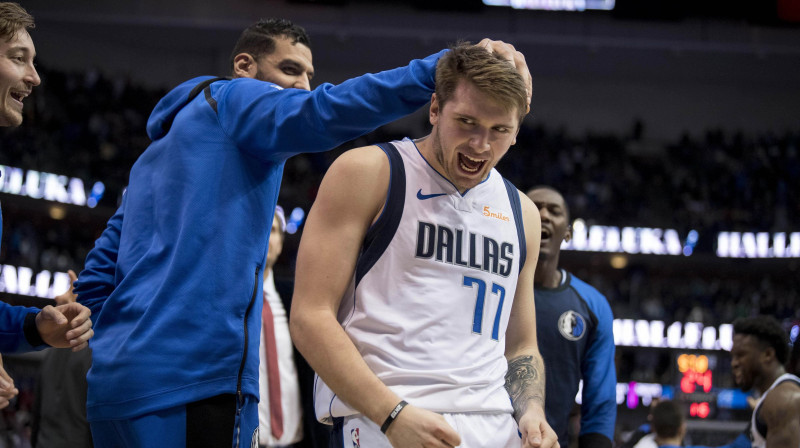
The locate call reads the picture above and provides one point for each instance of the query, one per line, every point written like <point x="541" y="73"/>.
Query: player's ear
<point x="568" y="233"/>
<point x="244" y="66"/>
<point x="433" y="114"/>
<point x="515" y="136"/>
<point x="769" y="354"/>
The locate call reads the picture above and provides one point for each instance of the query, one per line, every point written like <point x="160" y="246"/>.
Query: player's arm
<point x="350" y="198"/>
<point x="270" y="123"/>
<point x="98" y="278"/>
<point x="599" y="401"/>
<point x="781" y="413"/>
<point x="275" y="124"/>
<point x="525" y="377"/>
<point x="17" y="324"/>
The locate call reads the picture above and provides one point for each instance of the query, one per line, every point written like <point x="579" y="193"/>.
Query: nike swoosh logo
<point x="422" y="197"/>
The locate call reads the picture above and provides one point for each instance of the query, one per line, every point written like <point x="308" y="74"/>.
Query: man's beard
<point x="438" y="152"/>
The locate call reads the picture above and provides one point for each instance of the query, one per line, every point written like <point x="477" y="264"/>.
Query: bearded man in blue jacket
<point x="174" y="281"/>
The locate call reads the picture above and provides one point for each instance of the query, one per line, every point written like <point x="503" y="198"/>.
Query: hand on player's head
<point x="516" y="58"/>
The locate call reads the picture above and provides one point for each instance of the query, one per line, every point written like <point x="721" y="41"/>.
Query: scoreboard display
<point x="696" y="382"/>
<point x="690" y="363"/>
<point x="703" y="381"/>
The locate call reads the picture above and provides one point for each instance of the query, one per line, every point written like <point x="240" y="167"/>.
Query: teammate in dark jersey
<point x="574" y="328"/>
<point x="760" y="350"/>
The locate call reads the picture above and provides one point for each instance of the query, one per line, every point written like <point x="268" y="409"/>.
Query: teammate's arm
<point x="270" y="124"/>
<point x="525" y="376"/>
<point x="599" y="408"/>
<point x="781" y="413"/>
<point x="98" y="278"/>
<point x="350" y="198"/>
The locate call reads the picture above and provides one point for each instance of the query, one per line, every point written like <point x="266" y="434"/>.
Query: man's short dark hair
<point x="667" y="419"/>
<point x="768" y="331"/>
<point x="259" y="39"/>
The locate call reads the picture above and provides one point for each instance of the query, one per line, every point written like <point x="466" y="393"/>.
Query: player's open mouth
<point x="18" y="96"/>
<point x="470" y="164"/>
<point x="545" y="234"/>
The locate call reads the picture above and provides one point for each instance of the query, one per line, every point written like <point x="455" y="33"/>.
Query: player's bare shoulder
<point x="530" y="215"/>
<point x="366" y="166"/>
<point x="358" y="178"/>
<point x="363" y="158"/>
<point x="782" y="402"/>
<point x="790" y="392"/>
<point x="527" y="205"/>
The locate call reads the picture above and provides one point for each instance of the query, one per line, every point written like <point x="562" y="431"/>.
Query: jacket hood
<point x="164" y="113"/>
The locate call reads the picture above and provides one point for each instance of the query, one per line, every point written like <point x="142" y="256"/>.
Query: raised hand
<point x="516" y="58"/>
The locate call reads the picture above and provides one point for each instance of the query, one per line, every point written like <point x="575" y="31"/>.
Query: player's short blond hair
<point x="487" y="71"/>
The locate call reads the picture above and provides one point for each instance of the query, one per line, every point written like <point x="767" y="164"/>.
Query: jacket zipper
<point x="239" y="395"/>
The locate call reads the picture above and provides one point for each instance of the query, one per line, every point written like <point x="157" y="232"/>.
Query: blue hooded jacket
<point x="14" y="321"/>
<point x="173" y="280"/>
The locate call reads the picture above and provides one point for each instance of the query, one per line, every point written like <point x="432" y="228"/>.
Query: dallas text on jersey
<point x="446" y="245"/>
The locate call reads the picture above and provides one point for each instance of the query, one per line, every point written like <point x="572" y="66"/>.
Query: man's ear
<point x="568" y="233"/>
<point x="244" y="66"/>
<point x="769" y="354"/>
<point x="433" y="113"/>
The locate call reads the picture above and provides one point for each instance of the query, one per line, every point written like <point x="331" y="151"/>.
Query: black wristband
<point x="31" y="332"/>
<point x="393" y="415"/>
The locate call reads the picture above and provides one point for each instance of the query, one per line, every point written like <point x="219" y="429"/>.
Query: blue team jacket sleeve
<point x="273" y="124"/>
<point x="12" y="328"/>
<point x="98" y="278"/>
<point x="599" y="403"/>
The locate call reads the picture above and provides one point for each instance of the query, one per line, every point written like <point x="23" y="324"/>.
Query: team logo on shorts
<point x="354" y="437"/>
<point x="572" y="325"/>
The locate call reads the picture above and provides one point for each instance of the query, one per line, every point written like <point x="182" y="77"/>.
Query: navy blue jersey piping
<point x="380" y="234"/>
<point x="592" y="317"/>
<point x="516" y="209"/>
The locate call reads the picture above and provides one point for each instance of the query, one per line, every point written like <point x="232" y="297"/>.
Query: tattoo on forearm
<point x="525" y="382"/>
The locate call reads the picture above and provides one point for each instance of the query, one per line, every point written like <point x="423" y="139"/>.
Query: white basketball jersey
<point x="430" y="300"/>
<point x="758" y="430"/>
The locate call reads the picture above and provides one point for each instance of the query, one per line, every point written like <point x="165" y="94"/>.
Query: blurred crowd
<point x="719" y="181"/>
